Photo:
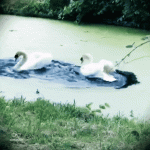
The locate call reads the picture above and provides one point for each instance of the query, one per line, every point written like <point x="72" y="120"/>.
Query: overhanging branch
<point x="130" y="53"/>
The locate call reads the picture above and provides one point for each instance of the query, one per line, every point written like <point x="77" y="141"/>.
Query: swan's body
<point x="34" y="60"/>
<point x="102" y="69"/>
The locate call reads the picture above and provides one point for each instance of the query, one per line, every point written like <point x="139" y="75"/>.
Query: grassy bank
<point x="50" y="126"/>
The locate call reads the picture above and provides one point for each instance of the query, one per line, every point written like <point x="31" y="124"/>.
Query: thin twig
<point x="136" y="59"/>
<point x="130" y="53"/>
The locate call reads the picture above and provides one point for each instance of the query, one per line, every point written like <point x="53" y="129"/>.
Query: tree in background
<point x="133" y="13"/>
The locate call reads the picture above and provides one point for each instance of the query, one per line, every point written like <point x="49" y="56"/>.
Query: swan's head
<point x="86" y="58"/>
<point x="16" y="57"/>
<point x="18" y="54"/>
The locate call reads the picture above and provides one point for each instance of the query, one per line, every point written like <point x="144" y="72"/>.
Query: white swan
<point x="102" y="69"/>
<point x="35" y="60"/>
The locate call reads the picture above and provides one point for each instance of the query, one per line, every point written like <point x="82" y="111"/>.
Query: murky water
<point x="67" y="42"/>
<point x="67" y="74"/>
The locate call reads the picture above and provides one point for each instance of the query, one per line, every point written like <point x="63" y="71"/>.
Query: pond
<point x="67" y="42"/>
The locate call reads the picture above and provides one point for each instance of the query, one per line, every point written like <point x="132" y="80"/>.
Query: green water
<point x="67" y="42"/>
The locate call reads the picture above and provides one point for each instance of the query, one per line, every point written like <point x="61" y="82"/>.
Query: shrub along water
<point x="45" y="125"/>
<point x="133" y="13"/>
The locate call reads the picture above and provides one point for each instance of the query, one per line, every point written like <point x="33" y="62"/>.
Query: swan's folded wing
<point x="108" y="77"/>
<point x="90" y="69"/>
<point x="107" y="66"/>
<point x="36" y="63"/>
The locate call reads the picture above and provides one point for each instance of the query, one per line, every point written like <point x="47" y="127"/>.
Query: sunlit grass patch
<point x="51" y="125"/>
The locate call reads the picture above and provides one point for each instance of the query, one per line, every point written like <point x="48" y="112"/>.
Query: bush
<point x="57" y="4"/>
<point x="133" y="13"/>
<point x="138" y="12"/>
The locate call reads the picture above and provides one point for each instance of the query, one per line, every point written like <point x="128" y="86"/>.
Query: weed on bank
<point x="45" y="125"/>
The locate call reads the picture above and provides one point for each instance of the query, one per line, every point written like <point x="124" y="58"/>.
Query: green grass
<point x="50" y="126"/>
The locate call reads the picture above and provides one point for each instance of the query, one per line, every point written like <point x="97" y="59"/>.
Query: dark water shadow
<point x="66" y="73"/>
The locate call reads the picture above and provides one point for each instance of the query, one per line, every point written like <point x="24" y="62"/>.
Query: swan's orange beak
<point x="81" y="60"/>
<point x="16" y="57"/>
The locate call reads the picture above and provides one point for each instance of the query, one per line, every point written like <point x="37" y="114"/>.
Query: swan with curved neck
<point x="102" y="69"/>
<point x="35" y="60"/>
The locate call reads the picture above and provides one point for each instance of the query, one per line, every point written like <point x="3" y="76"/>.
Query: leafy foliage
<point x="137" y="11"/>
<point x="57" y="4"/>
<point x="133" y="13"/>
<point x="97" y="9"/>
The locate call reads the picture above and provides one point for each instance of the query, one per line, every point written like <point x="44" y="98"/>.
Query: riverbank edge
<point x="43" y="10"/>
<point x="45" y="125"/>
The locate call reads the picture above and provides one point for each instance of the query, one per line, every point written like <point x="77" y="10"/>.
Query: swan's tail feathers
<point x="108" y="68"/>
<point x="131" y="78"/>
<point x="108" y="77"/>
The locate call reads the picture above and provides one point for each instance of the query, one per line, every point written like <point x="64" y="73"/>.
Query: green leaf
<point x="98" y="110"/>
<point x="102" y="106"/>
<point x="144" y="38"/>
<point x="130" y="46"/>
<point x="107" y="105"/>
<point x="89" y="105"/>
<point x="93" y="112"/>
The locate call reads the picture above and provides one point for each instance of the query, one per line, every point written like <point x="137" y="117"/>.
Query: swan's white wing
<point x="99" y="70"/>
<point x="37" y="60"/>
<point x="42" y="62"/>
<point x="106" y="66"/>
<point x="92" y="69"/>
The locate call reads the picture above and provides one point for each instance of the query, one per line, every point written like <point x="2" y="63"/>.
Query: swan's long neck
<point x="24" y="56"/>
<point x="22" y="61"/>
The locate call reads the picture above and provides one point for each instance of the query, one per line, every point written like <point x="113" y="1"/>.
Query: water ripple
<point x="66" y="73"/>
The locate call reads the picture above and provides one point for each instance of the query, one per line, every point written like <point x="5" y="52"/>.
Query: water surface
<point x="67" y="42"/>
<point x="67" y="74"/>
